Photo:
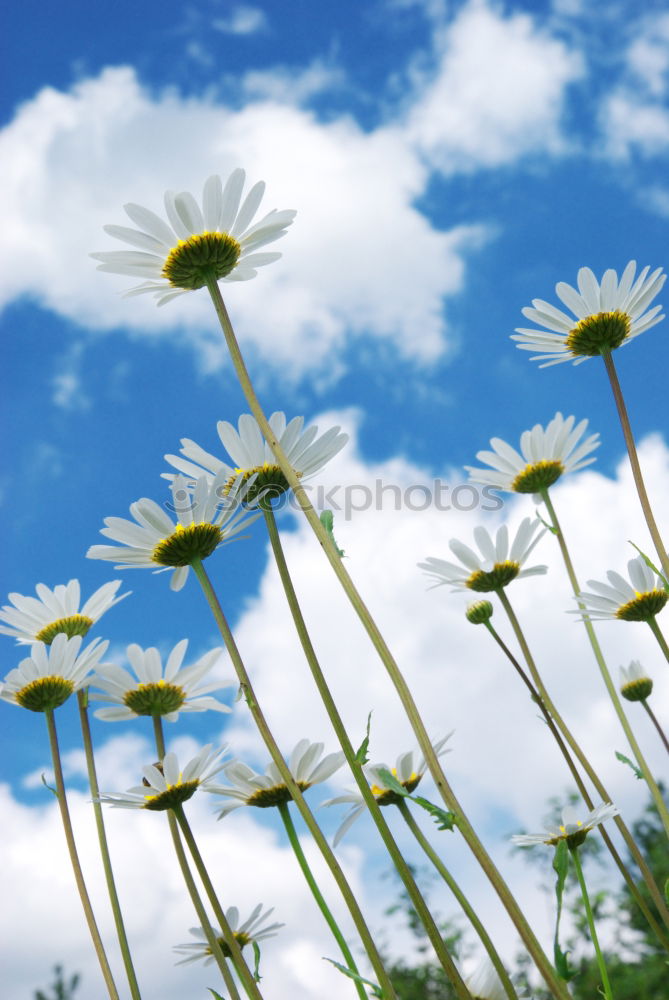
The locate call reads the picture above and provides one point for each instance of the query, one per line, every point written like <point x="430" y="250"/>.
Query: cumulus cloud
<point x="242" y="20"/>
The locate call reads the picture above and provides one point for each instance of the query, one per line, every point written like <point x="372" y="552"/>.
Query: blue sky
<point x="449" y="163"/>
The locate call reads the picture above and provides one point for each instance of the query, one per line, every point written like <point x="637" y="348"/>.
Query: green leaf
<point x="650" y="564"/>
<point x="361" y="753"/>
<point x="444" y="820"/>
<point x="625" y="760"/>
<point x="553" y="530"/>
<point x="256" y="966"/>
<point x="561" y="867"/>
<point x="327" y="520"/>
<point x="376" y="990"/>
<point x="47" y="785"/>
<point x="216" y="996"/>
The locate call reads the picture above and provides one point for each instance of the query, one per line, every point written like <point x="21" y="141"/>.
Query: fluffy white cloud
<point x="498" y="92"/>
<point x="361" y="260"/>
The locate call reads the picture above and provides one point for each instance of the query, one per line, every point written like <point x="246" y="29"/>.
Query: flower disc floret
<point x="248" y="788"/>
<point x="165" y="786"/>
<point x="572" y="829"/>
<point x="208" y="515"/>
<point x="250" y="930"/>
<point x="546" y="454"/>
<point x="253" y="457"/>
<point x="156" y="690"/>
<point x="639" y="600"/>
<point x="46" y="679"/>
<point x="635" y="684"/>
<point x="606" y="316"/>
<point x="496" y="564"/>
<point x="41" y="618"/>
<point x="217" y="240"/>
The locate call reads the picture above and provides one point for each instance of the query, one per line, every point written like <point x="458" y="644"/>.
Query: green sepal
<point x="444" y="820"/>
<point x="327" y="520"/>
<point x="651" y="565"/>
<point x="561" y="867"/>
<point x="376" y="990"/>
<point x="361" y="753"/>
<point x="625" y="760"/>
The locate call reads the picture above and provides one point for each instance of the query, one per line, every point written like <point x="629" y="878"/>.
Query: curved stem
<point x="466" y="906"/>
<point x="591" y="923"/>
<point x="585" y="763"/>
<point x="622" y="867"/>
<point x="74" y="857"/>
<point x="318" y="896"/>
<point x="212" y="938"/>
<point x="291" y="784"/>
<point x="402" y="867"/>
<point x="653" y="719"/>
<point x="661" y="641"/>
<point x="82" y="701"/>
<point x="236" y="957"/>
<point x="432" y="761"/>
<point x="634" y="462"/>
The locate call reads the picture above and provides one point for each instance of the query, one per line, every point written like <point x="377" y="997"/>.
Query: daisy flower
<point x="494" y="566"/>
<point x="572" y="829"/>
<point x="545" y="455"/>
<point x="252" y="456"/>
<point x="639" y="601"/>
<point x="408" y="775"/>
<point x="166" y="786"/>
<point x="635" y="684"/>
<point x="154" y="690"/>
<point x="606" y="315"/>
<point x="48" y="677"/>
<point x="248" y="932"/>
<point x="248" y="788"/>
<point x="206" y="519"/>
<point x="196" y="243"/>
<point x="484" y="982"/>
<point x="39" y="619"/>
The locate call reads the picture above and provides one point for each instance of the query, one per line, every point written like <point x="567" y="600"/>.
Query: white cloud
<point x="497" y="95"/>
<point x="502" y="765"/>
<point x="242" y="20"/>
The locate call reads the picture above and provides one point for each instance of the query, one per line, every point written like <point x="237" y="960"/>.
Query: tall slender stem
<point x="634" y="462"/>
<point x="291" y="784"/>
<point x="661" y="641"/>
<point x="74" y="857"/>
<point x="318" y="895"/>
<point x="210" y="934"/>
<point x="402" y="867"/>
<point x="238" y="960"/>
<point x="580" y="784"/>
<point x="653" y="719"/>
<point x="530" y="940"/>
<point x="82" y="701"/>
<point x="466" y="906"/>
<point x="591" y="923"/>
<point x="585" y="763"/>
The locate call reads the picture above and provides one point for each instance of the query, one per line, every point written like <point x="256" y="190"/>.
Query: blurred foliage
<point x="62" y="990"/>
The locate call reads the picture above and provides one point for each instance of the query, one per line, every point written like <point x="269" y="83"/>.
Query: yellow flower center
<point x="387" y="797"/>
<point x="192" y="262"/>
<point x="276" y="795"/>
<point x="185" y="544"/>
<point x="537" y="476"/>
<point x="485" y="581"/>
<point x="600" y="332"/>
<point x="269" y="484"/>
<point x="643" y="607"/>
<point x="45" y="693"/>
<point x="71" y="626"/>
<point x="156" y="698"/>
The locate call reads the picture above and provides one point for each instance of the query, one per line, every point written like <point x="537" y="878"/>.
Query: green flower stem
<point x="82" y="700"/>
<point x="432" y="761"/>
<point x="634" y="462"/>
<point x="212" y="938"/>
<point x="318" y="896"/>
<point x="603" y="669"/>
<point x="622" y="867"/>
<point x="591" y="923"/>
<point x="585" y="763"/>
<point x="74" y="857"/>
<point x="236" y="957"/>
<point x="368" y="796"/>
<point x="653" y="719"/>
<point x="288" y="779"/>
<point x="661" y="641"/>
<point x="466" y="906"/>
